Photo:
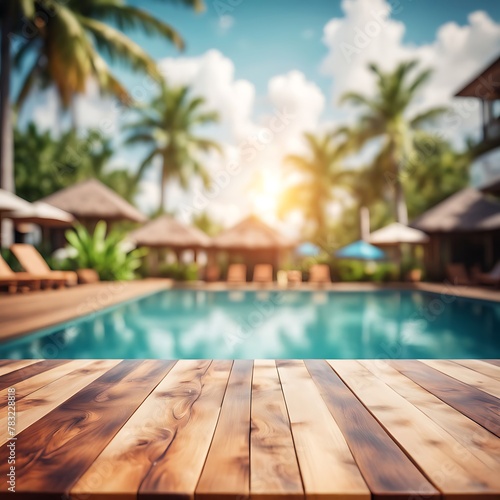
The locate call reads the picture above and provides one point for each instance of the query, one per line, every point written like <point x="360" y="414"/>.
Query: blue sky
<point x="257" y="58"/>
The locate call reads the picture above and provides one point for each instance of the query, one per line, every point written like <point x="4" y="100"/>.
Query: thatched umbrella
<point x="8" y="203"/>
<point x="91" y="201"/>
<point x="395" y="234"/>
<point x="43" y="214"/>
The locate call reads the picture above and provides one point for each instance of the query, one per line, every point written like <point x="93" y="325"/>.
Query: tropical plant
<point x="63" y="43"/>
<point x="103" y="252"/>
<point x="44" y="164"/>
<point x="385" y="116"/>
<point x="167" y="126"/>
<point x="206" y="223"/>
<point x="320" y="171"/>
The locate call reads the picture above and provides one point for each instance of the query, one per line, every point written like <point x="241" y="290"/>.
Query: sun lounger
<point x="212" y="273"/>
<point x="491" y="278"/>
<point x="237" y="273"/>
<point x="457" y="274"/>
<point x="32" y="262"/>
<point x="319" y="273"/>
<point x="14" y="280"/>
<point x="294" y="277"/>
<point x="263" y="273"/>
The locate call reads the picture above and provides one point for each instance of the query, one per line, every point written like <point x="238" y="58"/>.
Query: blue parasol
<point x="308" y="249"/>
<point x="360" y="250"/>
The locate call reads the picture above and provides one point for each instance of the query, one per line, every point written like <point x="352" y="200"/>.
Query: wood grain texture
<point x="22" y="374"/>
<point x="274" y="471"/>
<point x="17" y="365"/>
<point x="480" y="367"/>
<point x="33" y="377"/>
<point x="226" y="473"/>
<point x="395" y="476"/>
<point x="42" y="401"/>
<point x="470" y="377"/>
<point x="327" y="466"/>
<point x="482" y="443"/>
<point x="146" y="437"/>
<point x="449" y="465"/>
<point x="65" y="442"/>
<point x="176" y="473"/>
<point x="474" y="403"/>
<point x="145" y="430"/>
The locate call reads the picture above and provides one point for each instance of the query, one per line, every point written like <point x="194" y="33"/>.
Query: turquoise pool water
<point x="288" y="324"/>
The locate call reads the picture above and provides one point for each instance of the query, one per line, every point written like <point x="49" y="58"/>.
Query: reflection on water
<point x="288" y="324"/>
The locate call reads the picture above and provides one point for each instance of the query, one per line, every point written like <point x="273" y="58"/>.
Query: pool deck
<point x="28" y="312"/>
<point x="150" y="429"/>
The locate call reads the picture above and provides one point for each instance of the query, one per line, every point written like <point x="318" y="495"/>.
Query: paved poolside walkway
<point x="27" y="312"/>
<point x="266" y="429"/>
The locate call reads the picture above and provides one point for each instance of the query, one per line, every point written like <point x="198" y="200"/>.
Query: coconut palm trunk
<point x="6" y="135"/>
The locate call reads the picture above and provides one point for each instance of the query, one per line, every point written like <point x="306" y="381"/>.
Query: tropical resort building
<point x="465" y="228"/>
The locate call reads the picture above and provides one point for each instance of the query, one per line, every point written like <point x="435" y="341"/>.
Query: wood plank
<point x="327" y="466"/>
<point x="17" y="365"/>
<point x="395" y="477"/>
<point x="70" y="437"/>
<point x="495" y="362"/>
<point x="480" y="367"/>
<point x="476" y="404"/>
<point x="482" y="443"/>
<point x="455" y="471"/>
<point x="42" y="401"/>
<point x="274" y="470"/>
<point x="33" y="377"/>
<point x="177" y="472"/>
<point x="147" y="435"/>
<point x="465" y="375"/>
<point x="227" y="468"/>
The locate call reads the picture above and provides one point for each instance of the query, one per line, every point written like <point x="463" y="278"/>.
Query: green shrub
<point x="103" y="253"/>
<point x="179" y="271"/>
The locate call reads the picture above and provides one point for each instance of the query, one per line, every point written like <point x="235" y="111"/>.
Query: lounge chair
<point x="14" y="280"/>
<point x="32" y="262"/>
<point x="294" y="277"/>
<point x="212" y="273"/>
<point x="491" y="278"/>
<point x="320" y="273"/>
<point x="263" y="273"/>
<point x="457" y="274"/>
<point x="237" y="273"/>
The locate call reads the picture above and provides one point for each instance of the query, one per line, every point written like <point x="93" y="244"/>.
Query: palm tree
<point x="65" y="43"/>
<point x="320" y="171"/>
<point x="385" y="117"/>
<point x="167" y="126"/>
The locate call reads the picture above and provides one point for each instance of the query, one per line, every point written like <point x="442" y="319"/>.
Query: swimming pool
<point x="179" y="324"/>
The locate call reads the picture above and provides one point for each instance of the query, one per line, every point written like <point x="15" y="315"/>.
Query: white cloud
<point x="212" y="77"/>
<point x="368" y="34"/>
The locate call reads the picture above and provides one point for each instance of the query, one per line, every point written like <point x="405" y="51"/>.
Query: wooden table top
<point x="126" y="429"/>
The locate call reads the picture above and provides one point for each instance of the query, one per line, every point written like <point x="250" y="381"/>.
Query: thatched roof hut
<point x="251" y="234"/>
<point x="466" y="211"/>
<point x="166" y="232"/>
<point x="463" y="228"/>
<point x="90" y="201"/>
<point x="491" y="187"/>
